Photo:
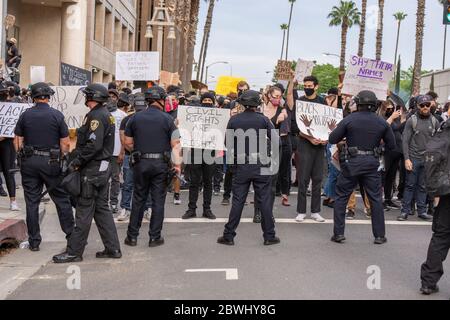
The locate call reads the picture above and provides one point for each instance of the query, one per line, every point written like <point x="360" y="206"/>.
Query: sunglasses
<point x="425" y="105"/>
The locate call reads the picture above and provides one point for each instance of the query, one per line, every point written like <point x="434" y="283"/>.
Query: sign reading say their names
<point x="317" y="120"/>
<point x="137" y="66"/>
<point x="9" y="115"/>
<point x="203" y="128"/>
<point x="368" y="74"/>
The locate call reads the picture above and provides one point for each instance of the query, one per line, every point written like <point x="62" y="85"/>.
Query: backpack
<point x="437" y="163"/>
<point x="434" y="122"/>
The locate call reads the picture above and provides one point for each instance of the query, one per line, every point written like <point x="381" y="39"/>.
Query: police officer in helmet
<point x="42" y="138"/>
<point x="95" y="144"/>
<point x="151" y="135"/>
<point x="363" y="131"/>
<point x="249" y="167"/>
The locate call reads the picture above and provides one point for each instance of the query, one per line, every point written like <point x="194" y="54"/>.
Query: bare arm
<point x="18" y="143"/>
<point x="64" y="144"/>
<point x="290" y="95"/>
<point x="129" y="143"/>
<point x="176" y="154"/>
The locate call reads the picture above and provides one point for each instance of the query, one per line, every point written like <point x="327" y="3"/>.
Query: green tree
<point x="399" y="16"/>
<point x="283" y="27"/>
<point x="328" y="76"/>
<point x="346" y="15"/>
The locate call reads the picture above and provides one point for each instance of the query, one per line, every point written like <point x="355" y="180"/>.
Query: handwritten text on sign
<point x="63" y="100"/>
<point x="317" y="120"/>
<point x="368" y="74"/>
<point x="137" y="66"/>
<point x="9" y="115"/>
<point x="203" y="128"/>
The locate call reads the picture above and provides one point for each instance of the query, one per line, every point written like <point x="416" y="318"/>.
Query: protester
<point x="13" y="56"/>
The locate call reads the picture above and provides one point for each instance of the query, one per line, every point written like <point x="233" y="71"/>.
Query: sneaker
<point x="3" y="192"/>
<point x="114" y="209"/>
<point x="176" y="199"/>
<point x="148" y="214"/>
<point x="189" y="215"/>
<point x="350" y="215"/>
<point x="392" y="205"/>
<point x="124" y="215"/>
<point x="368" y="213"/>
<point x="317" y="217"/>
<point x="209" y="215"/>
<point x="14" y="207"/>
<point x="216" y="193"/>
<point x="300" y="218"/>
<point x="225" y="202"/>
<point x="402" y="217"/>
<point x="386" y="207"/>
<point x="429" y="290"/>
<point x="425" y="217"/>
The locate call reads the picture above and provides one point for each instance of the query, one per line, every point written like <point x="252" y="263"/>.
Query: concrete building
<point x="441" y="79"/>
<point x="83" y="33"/>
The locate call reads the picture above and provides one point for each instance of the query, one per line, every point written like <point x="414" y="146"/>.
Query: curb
<point x="13" y="231"/>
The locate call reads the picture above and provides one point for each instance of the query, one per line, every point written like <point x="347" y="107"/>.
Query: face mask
<point x="171" y="106"/>
<point x="207" y="105"/>
<point x="389" y="113"/>
<point x="275" y="102"/>
<point x="309" y="92"/>
<point x="182" y="101"/>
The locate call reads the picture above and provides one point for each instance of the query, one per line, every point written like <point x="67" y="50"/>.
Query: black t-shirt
<point x="152" y="130"/>
<point x="123" y="126"/>
<point x="294" y="128"/>
<point x="42" y="127"/>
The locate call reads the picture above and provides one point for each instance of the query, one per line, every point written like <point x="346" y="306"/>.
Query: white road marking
<point x="292" y="221"/>
<point x="230" y="274"/>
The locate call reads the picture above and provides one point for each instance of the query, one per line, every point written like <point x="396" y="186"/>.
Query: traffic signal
<point x="447" y="12"/>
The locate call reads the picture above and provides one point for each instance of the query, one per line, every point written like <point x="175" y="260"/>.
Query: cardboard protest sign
<point x="169" y="79"/>
<point x="368" y="74"/>
<point x="203" y="128"/>
<point x="284" y="70"/>
<point x="226" y="85"/>
<point x="137" y="66"/>
<point x="37" y="74"/>
<point x="63" y="100"/>
<point x="304" y="69"/>
<point x="74" y="76"/>
<point x="9" y="115"/>
<point x="317" y="120"/>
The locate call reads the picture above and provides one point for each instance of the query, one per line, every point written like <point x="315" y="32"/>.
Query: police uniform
<point x="364" y="131"/>
<point x="246" y="174"/>
<point x="152" y="132"/>
<point x="95" y="144"/>
<point x="41" y="128"/>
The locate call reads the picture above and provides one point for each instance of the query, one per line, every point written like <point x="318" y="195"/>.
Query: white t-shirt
<point x="118" y="115"/>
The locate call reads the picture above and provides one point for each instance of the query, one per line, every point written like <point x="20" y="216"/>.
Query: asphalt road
<point x="306" y="265"/>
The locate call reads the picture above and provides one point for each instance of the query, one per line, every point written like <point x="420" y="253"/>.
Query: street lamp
<point x="160" y="19"/>
<point x="331" y="54"/>
<point x="212" y="64"/>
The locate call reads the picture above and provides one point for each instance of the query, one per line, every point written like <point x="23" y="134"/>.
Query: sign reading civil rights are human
<point x="368" y="74"/>
<point x="137" y="66"/>
<point x="203" y="128"/>
<point x="317" y="120"/>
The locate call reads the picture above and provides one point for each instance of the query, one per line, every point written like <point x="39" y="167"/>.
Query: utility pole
<point x="3" y="12"/>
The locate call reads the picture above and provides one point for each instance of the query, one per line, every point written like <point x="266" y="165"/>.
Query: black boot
<point x="107" y="254"/>
<point x="66" y="258"/>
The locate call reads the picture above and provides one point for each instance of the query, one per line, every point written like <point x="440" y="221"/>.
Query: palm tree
<point x="346" y="15"/>
<point x="362" y="30"/>
<point x="284" y="27"/>
<point x="289" y="27"/>
<point x="191" y="31"/>
<point x="206" y="33"/>
<point x="399" y="16"/>
<point x="379" y="44"/>
<point x="419" y="46"/>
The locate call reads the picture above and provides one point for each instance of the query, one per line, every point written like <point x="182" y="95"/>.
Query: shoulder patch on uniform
<point x="112" y="120"/>
<point x="94" y="125"/>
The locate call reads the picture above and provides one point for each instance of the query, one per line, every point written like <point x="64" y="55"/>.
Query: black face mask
<point x="309" y="92"/>
<point x="182" y="101"/>
<point x="389" y="113"/>
<point x="207" y="105"/>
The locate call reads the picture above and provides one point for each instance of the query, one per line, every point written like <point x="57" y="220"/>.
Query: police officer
<point x="150" y="135"/>
<point x="42" y="137"/>
<point x="364" y="131"/>
<point x="247" y="170"/>
<point x="92" y="156"/>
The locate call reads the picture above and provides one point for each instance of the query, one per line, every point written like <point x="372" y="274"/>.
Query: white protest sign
<point x="203" y="128"/>
<point x="368" y="74"/>
<point x="317" y="120"/>
<point x="137" y="66"/>
<point x="37" y="74"/>
<point x="136" y="91"/>
<point x="9" y="115"/>
<point x="63" y="100"/>
<point x="304" y="69"/>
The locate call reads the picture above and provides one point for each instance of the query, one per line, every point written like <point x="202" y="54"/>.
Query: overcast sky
<point x="247" y="34"/>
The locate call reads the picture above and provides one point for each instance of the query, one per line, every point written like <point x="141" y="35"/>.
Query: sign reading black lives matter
<point x="9" y="115"/>
<point x="74" y="76"/>
<point x="203" y="128"/>
<point x="317" y="120"/>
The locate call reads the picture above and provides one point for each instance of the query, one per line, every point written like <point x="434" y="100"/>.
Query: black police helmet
<point x="96" y="92"/>
<point x="3" y="87"/>
<point x="368" y="99"/>
<point x="139" y="103"/>
<point x="41" y="90"/>
<point x="155" y="93"/>
<point x="123" y="97"/>
<point x="250" y="98"/>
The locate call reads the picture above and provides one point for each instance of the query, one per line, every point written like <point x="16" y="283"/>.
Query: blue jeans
<point x="333" y="173"/>
<point x="128" y="186"/>
<point x="415" y="189"/>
